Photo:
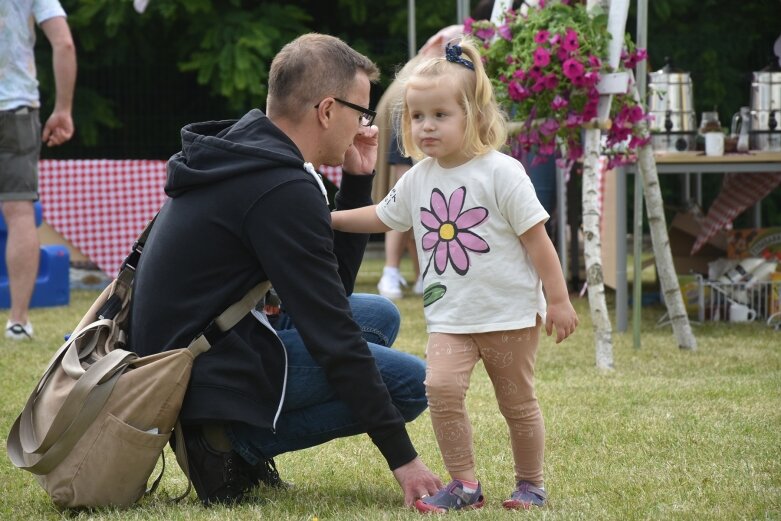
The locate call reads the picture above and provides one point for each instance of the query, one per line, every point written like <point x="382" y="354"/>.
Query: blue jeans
<point x="311" y="413"/>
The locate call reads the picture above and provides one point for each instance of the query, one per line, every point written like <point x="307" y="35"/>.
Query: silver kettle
<point x="766" y="109"/>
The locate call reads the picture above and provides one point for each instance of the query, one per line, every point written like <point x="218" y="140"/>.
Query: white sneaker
<point x="16" y="331"/>
<point x="391" y="283"/>
<point x="418" y="288"/>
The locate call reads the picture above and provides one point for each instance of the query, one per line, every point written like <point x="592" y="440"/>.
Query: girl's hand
<point x="563" y="316"/>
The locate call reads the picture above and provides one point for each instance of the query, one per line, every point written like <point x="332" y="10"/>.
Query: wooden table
<point x="686" y="163"/>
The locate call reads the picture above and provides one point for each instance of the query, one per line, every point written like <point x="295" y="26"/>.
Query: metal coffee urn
<point x="671" y="103"/>
<point x="766" y="110"/>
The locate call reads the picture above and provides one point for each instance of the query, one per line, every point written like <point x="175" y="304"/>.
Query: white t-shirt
<point x="18" y="83"/>
<point x="467" y="221"/>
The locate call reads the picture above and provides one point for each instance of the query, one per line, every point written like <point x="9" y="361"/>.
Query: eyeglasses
<point x="367" y="115"/>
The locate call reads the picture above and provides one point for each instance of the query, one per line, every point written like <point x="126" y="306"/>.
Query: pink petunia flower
<point x="570" y="42"/>
<point x="541" y="36"/>
<point x="505" y="32"/>
<point x="449" y="236"/>
<point x="534" y="73"/>
<point x="551" y="81"/>
<point x="549" y="127"/>
<point x="468" y="21"/>
<point x="558" y="103"/>
<point x="572" y="68"/>
<point x="541" y="57"/>
<point x="590" y="78"/>
<point x="485" y="33"/>
<point x="547" y="149"/>
<point x="517" y="92"/>
<point x="539" y="85"/>
<point x="573" y="120"/>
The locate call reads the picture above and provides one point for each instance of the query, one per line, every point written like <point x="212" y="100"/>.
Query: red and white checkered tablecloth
<point x="332" y="173"/>
<point x="738" y="192"/>
<point x="101" y="205"/>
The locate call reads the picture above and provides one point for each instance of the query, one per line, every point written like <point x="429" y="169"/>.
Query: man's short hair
<point x="310" y="68"/>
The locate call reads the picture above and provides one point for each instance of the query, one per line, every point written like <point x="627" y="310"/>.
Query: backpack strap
<point x="228" y="318"/>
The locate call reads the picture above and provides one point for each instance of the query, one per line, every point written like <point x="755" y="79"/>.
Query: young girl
<point x="468" y="205"/>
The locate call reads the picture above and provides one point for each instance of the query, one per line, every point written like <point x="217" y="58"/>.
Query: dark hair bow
<point x="453" y="54"/>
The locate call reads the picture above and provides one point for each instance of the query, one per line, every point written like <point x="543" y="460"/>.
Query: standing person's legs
<point x="450" y="360"/>
<point x="20" y="141"/>
<point x="312" y="414"/>
<point x="21" y="256"/>
<point x="509" y="358"/>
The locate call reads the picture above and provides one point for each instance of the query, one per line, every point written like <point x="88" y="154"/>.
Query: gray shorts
<point x="20" y="146"/>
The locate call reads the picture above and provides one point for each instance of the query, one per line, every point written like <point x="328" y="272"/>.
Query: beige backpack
<point x="98" y="420"/>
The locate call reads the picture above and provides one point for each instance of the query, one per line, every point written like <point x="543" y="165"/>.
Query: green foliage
<point x="234" y="55"/>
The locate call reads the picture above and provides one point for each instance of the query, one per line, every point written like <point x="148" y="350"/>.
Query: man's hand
<point x="361" y="157"/>
<point x="416" y="480"/>
<point x="58" y="129"/>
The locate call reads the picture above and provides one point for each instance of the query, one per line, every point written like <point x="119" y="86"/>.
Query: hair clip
<point x="453" y="54"/>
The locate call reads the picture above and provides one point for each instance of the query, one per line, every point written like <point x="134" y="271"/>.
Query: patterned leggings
<point x="509" y="360"/>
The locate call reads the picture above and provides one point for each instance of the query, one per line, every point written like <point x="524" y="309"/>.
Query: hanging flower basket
<point x="545" y="65"/>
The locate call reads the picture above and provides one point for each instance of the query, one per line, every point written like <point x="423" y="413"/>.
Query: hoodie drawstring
<point x="311" y="169"/>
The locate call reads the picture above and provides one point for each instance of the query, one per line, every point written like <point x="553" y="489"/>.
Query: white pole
<point x="411" y="39"/>
<point x="637" y="230"/>
<point x="500" y="6"/>
<point x="462" y="10"/>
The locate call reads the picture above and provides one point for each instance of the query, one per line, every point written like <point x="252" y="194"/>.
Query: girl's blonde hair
<point x="486" y="124"/>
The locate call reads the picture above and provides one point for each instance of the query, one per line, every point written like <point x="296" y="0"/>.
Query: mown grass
<point x="666" y="435"/>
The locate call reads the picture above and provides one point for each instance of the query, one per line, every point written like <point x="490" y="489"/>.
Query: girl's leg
<point x="450" y="360"/>
<point x="509" y="360"/>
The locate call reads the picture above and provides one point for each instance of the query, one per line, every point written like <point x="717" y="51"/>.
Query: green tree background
<point x="143" y="76"/>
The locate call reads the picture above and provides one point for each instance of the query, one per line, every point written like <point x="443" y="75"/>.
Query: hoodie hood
<point x="213" y="151"/>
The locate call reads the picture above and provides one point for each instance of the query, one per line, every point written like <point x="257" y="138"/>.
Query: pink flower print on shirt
<point x="449" y="234"/>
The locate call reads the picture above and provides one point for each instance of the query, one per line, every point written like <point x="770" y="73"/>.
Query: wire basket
<point x="741" y="302"/>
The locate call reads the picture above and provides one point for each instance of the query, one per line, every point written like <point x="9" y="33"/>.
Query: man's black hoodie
<point x="243" y="209"/>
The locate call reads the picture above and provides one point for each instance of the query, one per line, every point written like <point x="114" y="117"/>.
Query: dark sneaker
<point x="266" y="472"/>
<point x="452" y="497"/>
<point x="218" y="477"/>
<point x="525" y="496"/>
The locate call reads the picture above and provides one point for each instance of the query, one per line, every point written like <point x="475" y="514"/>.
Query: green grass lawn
<point x="667" y="435"/>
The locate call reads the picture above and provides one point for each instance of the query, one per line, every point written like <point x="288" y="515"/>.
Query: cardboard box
<point x="754" y="242"/>
<point x="683" y="232"/>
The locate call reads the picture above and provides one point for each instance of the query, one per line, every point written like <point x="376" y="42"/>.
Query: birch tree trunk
<point x="592" y="248"/>
<point x="603" y="333"/>
<point x="671" y="289"/>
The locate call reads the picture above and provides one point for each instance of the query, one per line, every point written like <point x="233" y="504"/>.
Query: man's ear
<point x="325" y="111"/>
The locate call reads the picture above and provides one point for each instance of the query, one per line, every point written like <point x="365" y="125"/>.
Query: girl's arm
<point x="543" y="256"/>
<point x="359" y="220"/>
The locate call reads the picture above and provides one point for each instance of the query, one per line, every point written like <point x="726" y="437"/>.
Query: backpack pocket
<point x="120" y="455"/>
